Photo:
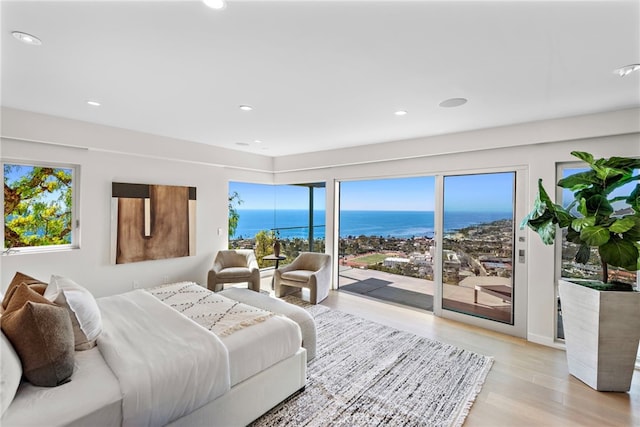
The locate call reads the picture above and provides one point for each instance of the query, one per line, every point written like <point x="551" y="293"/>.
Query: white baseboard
<point x="546" y="341"/>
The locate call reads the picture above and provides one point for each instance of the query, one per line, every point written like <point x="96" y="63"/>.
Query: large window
<point x="261" y="213"/>
<point x="39" y="206"/>
<point x="386" y="245"/>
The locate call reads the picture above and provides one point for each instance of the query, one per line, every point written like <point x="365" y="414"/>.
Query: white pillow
<point x="10" y="373"/>
<point x="85" y="314"/>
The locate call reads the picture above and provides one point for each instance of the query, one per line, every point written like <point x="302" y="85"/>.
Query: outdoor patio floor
<point x="418" y="293"/>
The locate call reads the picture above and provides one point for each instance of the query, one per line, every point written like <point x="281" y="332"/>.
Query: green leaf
<point x="583" y="254"/>
<point x="573" y="236"/>
<point x="579" y="223"/>
<point x="620" y="253"/>
<point x="595" y="236"/>
<point x="633" y="233"/>
<point x="598" y="206"/>
<point x="584" y="156"/>
<point x="547" y="232"/>
<point x="624" y="163"/>
<point x="563" y="217"/>
<point x="579" y="181"/>
<point x="582" y="207"/>
<point x="622" y="224"/>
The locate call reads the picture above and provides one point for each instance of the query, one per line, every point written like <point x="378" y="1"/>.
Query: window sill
<point x="38" y="250"/>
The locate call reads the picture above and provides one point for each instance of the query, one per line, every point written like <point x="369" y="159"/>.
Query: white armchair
<point x="234" y="266"/>
<point x="309" y="270"/>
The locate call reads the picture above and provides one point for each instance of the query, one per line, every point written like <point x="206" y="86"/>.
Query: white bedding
<point x="91" y="398"/>
<point x="258" y="339"/>
<point x="260" y="346"/>
<point x="167" y="365"/>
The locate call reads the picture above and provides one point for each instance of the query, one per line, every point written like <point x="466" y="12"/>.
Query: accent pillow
<point x="41" y="334"/>
<point x="10" y="375"/>
<point x="18" y="278"/>
<point x="83" y="308"/>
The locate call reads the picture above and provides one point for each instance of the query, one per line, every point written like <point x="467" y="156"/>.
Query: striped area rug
<point x="367" y="374"/>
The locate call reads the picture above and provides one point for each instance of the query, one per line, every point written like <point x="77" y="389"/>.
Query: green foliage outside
<point x="37" y="206"/>
<point x="264" y="246"/>
<point x="234" y="216"/>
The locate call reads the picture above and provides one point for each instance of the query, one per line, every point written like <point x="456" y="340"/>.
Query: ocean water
<point x="293" y="223"/>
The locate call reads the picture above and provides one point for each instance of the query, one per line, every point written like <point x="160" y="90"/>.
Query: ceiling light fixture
<point x="257" y="141"/>
<point x="215" y="4"/>
<point x="400" y="113"/>
<point x="453" y="102"/>
<point x="246" y="107"/>
<point x="94" y="103"/>
<point x="26" y="38"/>
<point x="628" y="69"/>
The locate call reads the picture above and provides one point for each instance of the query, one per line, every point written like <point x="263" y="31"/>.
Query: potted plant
<point x="601" y="319"/>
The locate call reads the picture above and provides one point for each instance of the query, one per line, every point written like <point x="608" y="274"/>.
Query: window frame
<point x="75" y="208"/>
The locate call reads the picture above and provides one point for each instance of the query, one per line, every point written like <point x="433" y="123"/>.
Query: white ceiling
<point x="319" y="74"/>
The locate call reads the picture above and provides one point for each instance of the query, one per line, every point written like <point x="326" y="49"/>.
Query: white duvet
<point x="166" y="364"/>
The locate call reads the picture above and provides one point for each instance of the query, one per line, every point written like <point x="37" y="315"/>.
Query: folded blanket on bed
<point x="166" y="364"/>
<point x="219" y="314"/>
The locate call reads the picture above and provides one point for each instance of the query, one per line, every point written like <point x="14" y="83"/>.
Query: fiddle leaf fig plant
<point x="594" y="222"/>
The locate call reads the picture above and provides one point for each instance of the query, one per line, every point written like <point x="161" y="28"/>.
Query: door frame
<point x="519" y="272"/>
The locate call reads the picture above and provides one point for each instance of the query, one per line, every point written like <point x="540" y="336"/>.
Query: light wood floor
<point x="528" y="385"/>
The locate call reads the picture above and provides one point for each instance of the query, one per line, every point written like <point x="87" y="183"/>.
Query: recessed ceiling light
<point x="400" y="113"/>
<point x="94" y="103"/>
<point x="242" y="144"/>
<point x="215" y="4"/>
<point x="26" y="38"/>
<point x="257" y="141"/>
<point x="628" y="69"/>
<point x="453" y="102"/>
<point x="246" y="107"/>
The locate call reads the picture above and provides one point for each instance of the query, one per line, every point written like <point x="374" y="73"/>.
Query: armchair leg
<point x="255" y="285"/>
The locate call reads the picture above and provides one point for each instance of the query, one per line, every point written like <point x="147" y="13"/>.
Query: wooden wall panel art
<point x="152" y="222"/>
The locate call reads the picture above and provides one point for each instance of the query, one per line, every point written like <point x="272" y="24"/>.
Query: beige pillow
<point x="18" y="278"/>
<point x="83" y="309"/>
<point x="41" y="334"/>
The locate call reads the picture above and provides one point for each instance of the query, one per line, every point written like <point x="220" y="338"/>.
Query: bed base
<point x="248" y="400"/>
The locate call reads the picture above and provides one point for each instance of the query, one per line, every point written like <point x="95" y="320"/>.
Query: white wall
<point x="90" y="265"/>
<point x="539" y="146"/>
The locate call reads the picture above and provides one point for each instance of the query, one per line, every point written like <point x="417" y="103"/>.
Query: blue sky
<point x="265" y="196"/>
<point x="397" y="194"/>
<point x="484" y="192"/>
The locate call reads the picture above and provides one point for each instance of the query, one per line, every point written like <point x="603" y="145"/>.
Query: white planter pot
<point x="602" y="330"/>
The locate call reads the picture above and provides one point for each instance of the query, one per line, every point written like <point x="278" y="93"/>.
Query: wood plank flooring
<point x="528" y="385"/>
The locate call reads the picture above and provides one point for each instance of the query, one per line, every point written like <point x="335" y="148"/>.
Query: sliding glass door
<point x="386" y="240"/>
<point x="444" y="243"/>
<point x="480" y="259"/>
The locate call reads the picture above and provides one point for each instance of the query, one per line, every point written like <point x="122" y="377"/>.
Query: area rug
<point x="367" y="374"/>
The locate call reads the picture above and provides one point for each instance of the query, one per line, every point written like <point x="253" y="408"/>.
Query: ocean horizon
<point x="292" y="223"/>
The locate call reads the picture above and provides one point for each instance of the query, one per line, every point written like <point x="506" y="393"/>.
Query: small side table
<point x="277" y="259"/>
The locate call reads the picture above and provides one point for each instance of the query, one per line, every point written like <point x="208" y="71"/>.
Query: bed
<point x="175" y="355"/>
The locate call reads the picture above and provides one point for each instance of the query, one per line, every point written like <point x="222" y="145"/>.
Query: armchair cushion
<point x="298" y="275"/>
<point x="234" y="273"/>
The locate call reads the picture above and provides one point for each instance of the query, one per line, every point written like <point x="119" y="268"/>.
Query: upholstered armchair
<point x="234" y="266"/>
<point x="309" y="270"/>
